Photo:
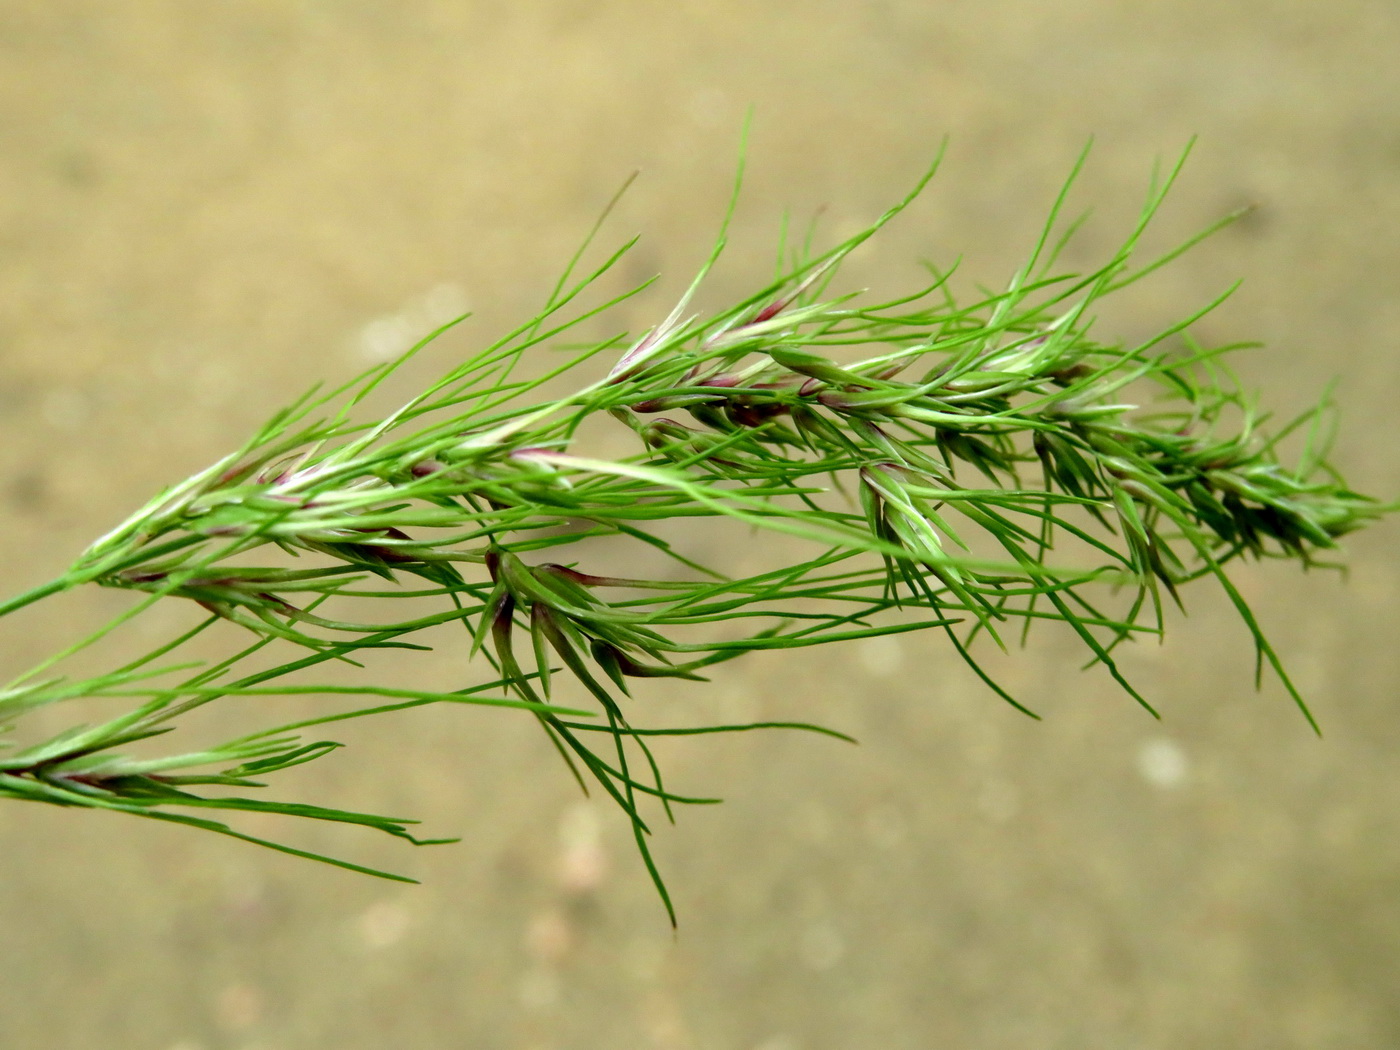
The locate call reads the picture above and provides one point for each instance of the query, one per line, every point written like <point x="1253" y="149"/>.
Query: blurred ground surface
<point x="205" y="207"/>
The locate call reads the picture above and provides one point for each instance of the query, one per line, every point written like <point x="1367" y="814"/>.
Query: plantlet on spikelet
<point x="890" y="440"/>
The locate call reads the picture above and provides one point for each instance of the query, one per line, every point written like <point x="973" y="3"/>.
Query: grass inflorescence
<point x="931" y="459"/>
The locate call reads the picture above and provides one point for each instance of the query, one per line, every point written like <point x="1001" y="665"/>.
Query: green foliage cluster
<point x="964" y="466"/>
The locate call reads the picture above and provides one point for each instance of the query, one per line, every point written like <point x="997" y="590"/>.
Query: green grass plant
<point x="967" y="466"/>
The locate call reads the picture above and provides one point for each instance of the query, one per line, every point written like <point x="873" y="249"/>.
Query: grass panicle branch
<point x="971" y="466"/>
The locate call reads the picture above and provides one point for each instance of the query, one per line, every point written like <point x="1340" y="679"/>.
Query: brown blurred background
<point x="203" y="208"/>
